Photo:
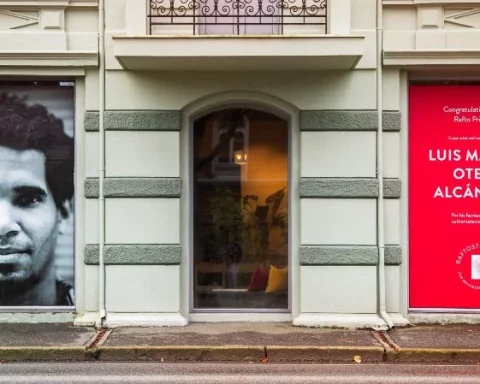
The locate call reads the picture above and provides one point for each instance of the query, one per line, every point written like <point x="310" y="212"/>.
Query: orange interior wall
<point x="267" y="168"/>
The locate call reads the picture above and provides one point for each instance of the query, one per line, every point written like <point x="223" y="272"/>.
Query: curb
<point x="245" y="354"/>
<point x="339" y="355"/>
<point x="275" y="354"/>
<point x="18" y="354"/>
<point x="172" y="354"/>
<point x="434" y="356"/>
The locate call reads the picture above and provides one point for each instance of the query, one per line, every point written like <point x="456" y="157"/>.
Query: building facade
<point x="249" y="161"/>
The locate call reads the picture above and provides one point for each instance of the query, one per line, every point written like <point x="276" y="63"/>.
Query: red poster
<point x="444" y="196"/>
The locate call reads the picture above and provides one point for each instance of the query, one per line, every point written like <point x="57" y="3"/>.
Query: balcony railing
<point x="238" y="17"/>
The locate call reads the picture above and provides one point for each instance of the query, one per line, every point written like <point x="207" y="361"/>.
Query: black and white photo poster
<point x="36" y="194"/>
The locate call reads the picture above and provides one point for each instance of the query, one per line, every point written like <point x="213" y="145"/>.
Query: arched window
<point x="240" y="218"/>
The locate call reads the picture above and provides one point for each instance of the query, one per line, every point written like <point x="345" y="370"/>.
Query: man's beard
<point x="11" y="289"/>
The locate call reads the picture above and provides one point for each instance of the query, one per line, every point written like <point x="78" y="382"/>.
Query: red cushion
<point x="259" y="279"/>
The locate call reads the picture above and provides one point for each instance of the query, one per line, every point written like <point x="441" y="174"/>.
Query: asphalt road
<point x="139" y="373"/>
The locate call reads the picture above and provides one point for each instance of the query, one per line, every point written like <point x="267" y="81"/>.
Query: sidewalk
<point x="241" y="342"/>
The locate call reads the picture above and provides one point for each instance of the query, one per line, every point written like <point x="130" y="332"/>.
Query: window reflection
<point x="241" y="211"/>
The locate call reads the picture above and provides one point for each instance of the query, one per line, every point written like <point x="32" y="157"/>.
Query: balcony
<point x="236" y="35"/>
<point x="238" y="17"/>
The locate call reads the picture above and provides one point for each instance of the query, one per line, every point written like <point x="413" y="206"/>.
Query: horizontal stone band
<point x="309" y="187"/>
<point x="354" y="255"/>
<point x="135" y="254"/>
<point x="147" y="120"/>
<point x="338" y="120"/>
<point x="348" y="187"/>
<point x="310" y="120"/>
<point x="393" y="255"/>
<point x="135" y="187"/>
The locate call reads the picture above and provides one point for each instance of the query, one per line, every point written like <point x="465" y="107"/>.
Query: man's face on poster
<point x="29" y="218"/>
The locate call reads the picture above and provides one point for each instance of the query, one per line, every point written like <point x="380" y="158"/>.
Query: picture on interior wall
<point x="36" y="194"/>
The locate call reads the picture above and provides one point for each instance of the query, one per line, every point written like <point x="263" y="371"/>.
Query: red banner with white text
<point x="444" y="196"/>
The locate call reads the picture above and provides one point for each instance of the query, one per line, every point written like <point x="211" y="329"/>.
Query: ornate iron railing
<point x="237" y="14"/>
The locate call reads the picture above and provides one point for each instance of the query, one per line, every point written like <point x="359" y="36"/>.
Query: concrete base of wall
<point x="21" y="317"/>
<point x="88" y="319"/>
<point x="444" y="318"/>
<point x="240" y="317"/>
<point x="115" y="320"/>
<point x="340" y="320"/>
<point x="398" y="319"/>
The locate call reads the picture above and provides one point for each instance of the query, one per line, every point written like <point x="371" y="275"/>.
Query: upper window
<point x="240" y="17"/>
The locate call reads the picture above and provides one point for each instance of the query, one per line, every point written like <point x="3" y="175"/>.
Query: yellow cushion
<point x="277" y="279"/>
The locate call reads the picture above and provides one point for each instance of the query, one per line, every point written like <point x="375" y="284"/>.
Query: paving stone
<point x="47" y="334"/>
<point x="241" y="334"/>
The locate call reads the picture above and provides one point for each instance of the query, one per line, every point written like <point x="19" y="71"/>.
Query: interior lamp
<point x="240" y="157"/>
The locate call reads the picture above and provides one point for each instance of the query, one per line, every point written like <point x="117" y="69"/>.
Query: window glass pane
<point x="238" y="142"/>
<point x="224" y="154"/>
<point x="240" y="17"/>
<point x="241" y="216"/>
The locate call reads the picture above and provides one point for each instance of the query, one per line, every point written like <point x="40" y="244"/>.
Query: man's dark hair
<point x="25" y="127"/>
